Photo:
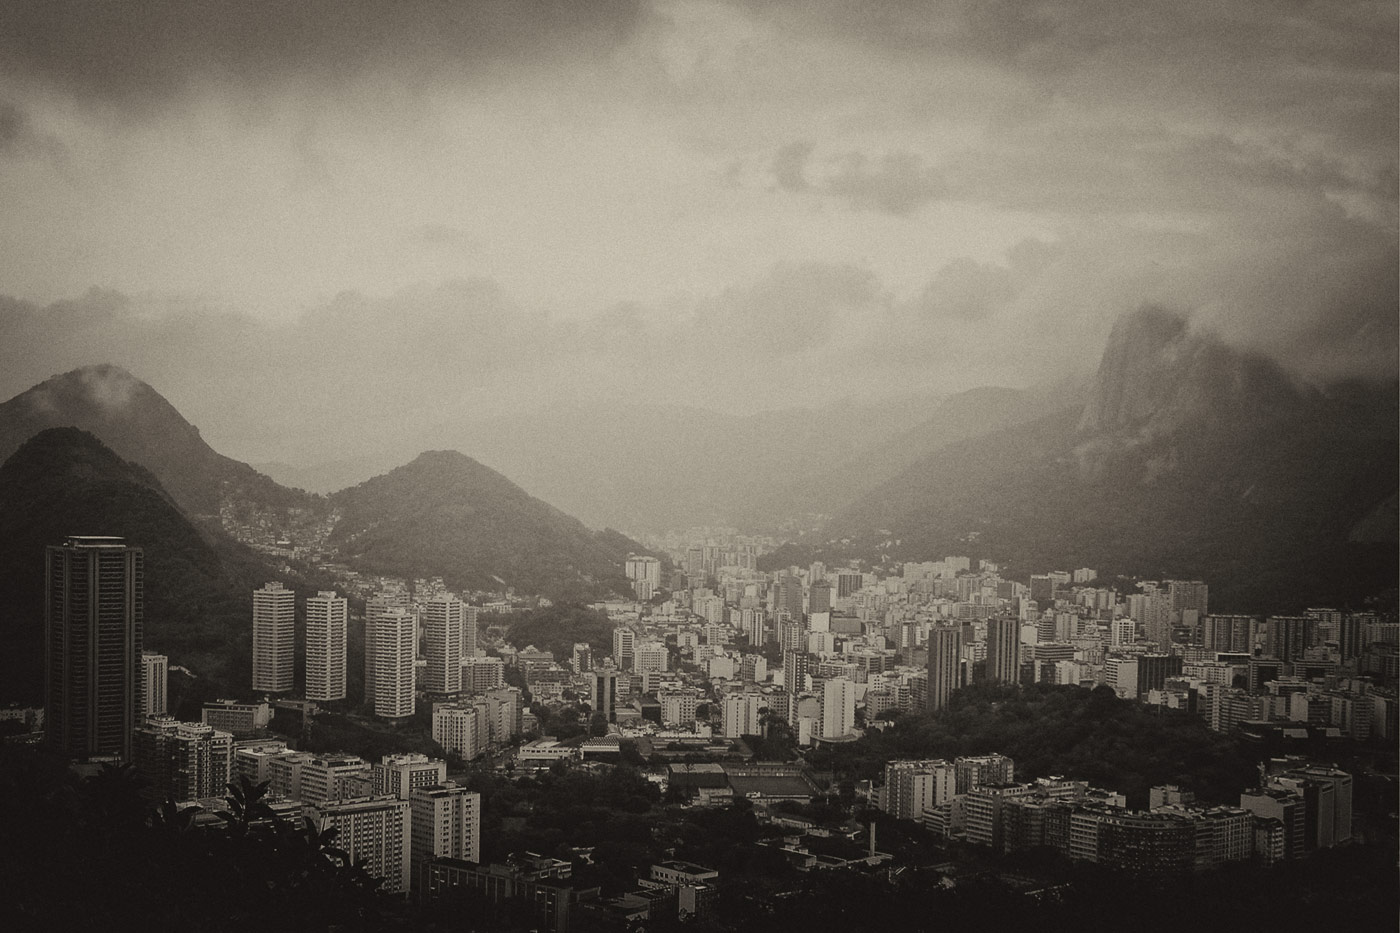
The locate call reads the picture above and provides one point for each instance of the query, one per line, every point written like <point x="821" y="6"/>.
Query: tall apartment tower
<point x="443" y="619"/>
<point x="274" y="637"/>
<point x="93" y="613"/>
<point x="327" y="622"/>
<point x="944" y="665"/>
<point x="602" y="692"/>
<point x="155" y="679"/>
<point x="838" y="707"/>
<point x="1004" y="651"/>
<point x="395" y="635"/>
<point x="375" y="607"/>
<point x="795" y="666"/>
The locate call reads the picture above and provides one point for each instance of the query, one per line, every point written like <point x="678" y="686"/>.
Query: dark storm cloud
<point x="140" y="53"/>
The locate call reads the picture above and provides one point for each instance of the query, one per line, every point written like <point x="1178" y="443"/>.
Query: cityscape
<point x="648" y="466"/>
<point x="719" y="688"/>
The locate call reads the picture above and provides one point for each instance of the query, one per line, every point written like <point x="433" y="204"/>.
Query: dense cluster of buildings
<point x="1298" y="807"/>
<point x="715" y="653"/>
<point x="824" y="649"/>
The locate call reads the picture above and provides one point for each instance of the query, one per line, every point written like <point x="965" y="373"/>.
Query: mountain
<point x="445" y="514"/>
<point x="1188" y="459"/>
<point x="64" y="481"/>
<point x="973" y="413"/>
<point x="138" y="424"/>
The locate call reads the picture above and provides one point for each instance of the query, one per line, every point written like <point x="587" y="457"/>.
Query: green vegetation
<point x="446" y="515"/>
<point x="557" y="628"/>
<point x="1082" y="734"/>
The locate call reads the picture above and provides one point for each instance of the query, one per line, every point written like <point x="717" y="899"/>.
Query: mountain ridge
<point x="65" y="481"/>
<point x="1215" y="464"/>
<point x="446" y="514"/>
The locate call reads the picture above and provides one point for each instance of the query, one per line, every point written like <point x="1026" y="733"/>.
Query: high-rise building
<point x="328" y="778"/>
<point x="376" y="606"/>
<point x="944" y="665"/>
<point x="651" y="656"/>
<point x="792" y="634"/>
<point x="1154" y="669"/>
<point x="482" y="674"/>
<point x="155" y="679"/>
<point x="624" y="647"/>
<point x="460" y="728"/>
<point x="93" y="614"/>
<point x="399" y="774"/>
<point x="602" y="693"/>
<point x="645" y="574"/>
<point x="274" y="638"/>
<point x="395" y="634"/>
<point x="375" y="832"/>
<point x="446" y="822"/>
<point x="1122" y="632"/>
<point x="795" y="664"/>
<point x="182" y="760"/>
<point x="742" y="714"/>
<point x="1234" y="634"/>
<point x="1287" y="637"/>
<point x="327" y="622"/>
<point x="911" y="787"/>
<point x="838" y="708"/>
<point x="583" y="657"/>
<point x="1004" y="650"/>
<point x="1122" y="675"/>
<point x="974" y="771"/>
<point x="819" y="597"/>
<point x="1188" y="594"/>
<point x="443" y="619"/>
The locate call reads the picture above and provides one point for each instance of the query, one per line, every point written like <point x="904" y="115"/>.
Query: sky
<point x="375" y="213"/>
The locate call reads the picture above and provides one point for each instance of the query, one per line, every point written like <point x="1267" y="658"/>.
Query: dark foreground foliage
<point x="79" y="854"/>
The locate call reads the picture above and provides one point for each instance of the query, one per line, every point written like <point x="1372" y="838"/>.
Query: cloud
<point x="136" y="55"/>
<point x="898" y="184"/>
<point x="20" y="140"/>
<point x="789" y="163"/>
<point x="791" y="309"/>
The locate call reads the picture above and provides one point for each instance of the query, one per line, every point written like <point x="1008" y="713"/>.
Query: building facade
<point x="274" y="634"/>
<point x="93" y="627"/>
<point x="327" y="623"/>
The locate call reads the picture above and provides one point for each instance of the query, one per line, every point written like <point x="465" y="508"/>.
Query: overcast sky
<point x="392" y="206"/>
